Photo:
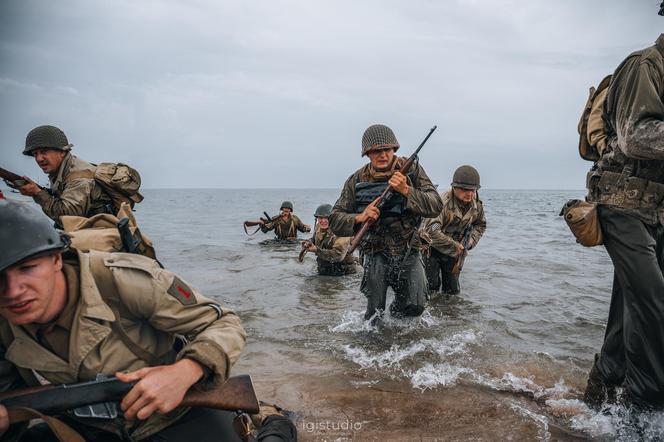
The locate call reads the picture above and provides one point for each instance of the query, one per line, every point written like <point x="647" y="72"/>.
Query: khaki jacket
<point x="446" y="230"/>
<point x="285" y="229"/>
<point x="332" y="248"/>
<point x="73" y="191"/>
<point x="152" y="305"/>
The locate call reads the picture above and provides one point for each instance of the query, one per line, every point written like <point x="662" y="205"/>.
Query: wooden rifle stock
<point x="14" y="180"/>
<point x="386" y="196"/>
<point x="465" y="242"/>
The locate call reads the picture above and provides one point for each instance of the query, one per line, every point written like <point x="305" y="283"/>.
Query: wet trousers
<point x="405" y="276"/>
<point x="328" y="268"/>
<point x="439" y="273"/>
<point x="633" y="351"/>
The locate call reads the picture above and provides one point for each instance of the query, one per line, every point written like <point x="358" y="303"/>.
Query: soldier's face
<point x="28" y="290"/>
<point x="323" y="222"/>
<point x="49" y="159"/>
<point x="285" y="212"/>
<point x="465" y="195"/>
<point x="381" y="158"/>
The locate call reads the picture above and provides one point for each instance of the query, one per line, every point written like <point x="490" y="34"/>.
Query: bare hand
<point x="29" y="189"/>
<point x="311" y="247"/>
<point x="159" y="389"/>
<point x="371" y="212"/>
<point x="307" y="228"/>
<point x="399" y="183"/>
<point x="460" y="250"/>
<point x="4" y="420"/>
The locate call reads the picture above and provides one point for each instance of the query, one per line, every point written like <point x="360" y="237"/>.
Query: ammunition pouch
<point x="624" y="191"/>
<point x="582" y="219"/>
<point x="366" y="193"/>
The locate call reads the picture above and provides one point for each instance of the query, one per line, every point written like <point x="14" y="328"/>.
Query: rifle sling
<point x="252" y="233"/>
<point x="104" y="278"/>
<point x="62" y="431"/>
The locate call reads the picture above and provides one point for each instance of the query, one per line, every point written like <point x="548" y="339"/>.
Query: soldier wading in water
<point x="391" y="247"/>
<point x="285" y="225"/>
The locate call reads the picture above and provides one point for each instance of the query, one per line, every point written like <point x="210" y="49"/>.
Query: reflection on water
<point x="507" y="358"/>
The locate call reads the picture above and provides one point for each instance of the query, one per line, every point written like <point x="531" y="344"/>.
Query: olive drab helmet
<point x="378" y="136"/>
<point x="25" y="232"/>
<point x="466" y="177"/>
<point x="286" y="205"/>
<point x="46" y="137"/>
<point x="324" y="210"/>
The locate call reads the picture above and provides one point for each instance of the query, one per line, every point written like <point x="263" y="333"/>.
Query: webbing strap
<point x="80" y="174"/>
<point x="104" y="278"/>
<point x="62" y="431"/>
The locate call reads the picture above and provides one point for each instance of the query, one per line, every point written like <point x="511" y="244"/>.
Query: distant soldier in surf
<point x="455" y="231"/>
<point x="286" y="224"/>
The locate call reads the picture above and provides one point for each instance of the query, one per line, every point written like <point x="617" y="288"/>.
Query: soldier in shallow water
<point x="391" y="247"/>
<point x="331" y="250"/>
<point x="462" y="215"/>
<point x="286" y="225"/>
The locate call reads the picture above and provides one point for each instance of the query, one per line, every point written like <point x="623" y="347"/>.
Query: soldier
<point x="65" y="317"/>
<point x="627" y="182"/>
<point x="331" y="250"/>
<point x="462" y="212"/>
<point x="286" y="225"/>
<point x="73" y="189"/>
<point x="391" y="247"/>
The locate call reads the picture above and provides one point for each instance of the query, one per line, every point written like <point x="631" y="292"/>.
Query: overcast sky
<point x="211" y="93"/>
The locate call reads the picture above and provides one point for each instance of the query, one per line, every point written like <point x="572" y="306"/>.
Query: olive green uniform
<point x="331" y="253"/>
<point x="123" y="313"/>
<point x="390" y="248"/>
<point x="285" y="228"/>
<point x="73" y="191"/>
<point x="446" y="233"/>
<point x="628" y="183"/>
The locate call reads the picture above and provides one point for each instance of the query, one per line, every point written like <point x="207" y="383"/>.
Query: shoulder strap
<point x="106" y="284"/>
<point x="80" y="174"/>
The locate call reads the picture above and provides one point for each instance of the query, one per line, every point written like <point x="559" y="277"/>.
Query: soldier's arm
<point x="215" y="334"/>
<point x="74" y="200"/>
<point x="640" y="115"/>
<point x="338" y="251"/>
<point x="342" y="219"/>
<point x="423" y="199"/>
<point x="9" y="380"/>
<point x="440" y="241"/>
<point x="300" y="225"/>
<point x="479" y="227"/>
<point x="268" y="227"/>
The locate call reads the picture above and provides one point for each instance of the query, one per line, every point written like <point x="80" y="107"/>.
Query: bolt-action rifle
<point x="267" y="219"/>
<point x="13" y="180"/>
<point x="99" y="398"/>
<point x="387" y="194"/>
<point x="465" y="242"/>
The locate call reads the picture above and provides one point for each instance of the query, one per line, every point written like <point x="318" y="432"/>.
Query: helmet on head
<point x="378" y="136"/>
<point x="26" y="232"/>
<point x="286" y="205"/>
<point x="46" y="137"/>
<point x="324" y="210"/>
<point x="466" y="177"/>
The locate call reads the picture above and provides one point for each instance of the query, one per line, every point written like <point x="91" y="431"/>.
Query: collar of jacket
<point x="89" y="328"/>
<point x="63" y="170"/>
<point x="451" y="201"/>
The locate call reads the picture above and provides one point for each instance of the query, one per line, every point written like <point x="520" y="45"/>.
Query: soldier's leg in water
<point x="433" y="270"/>
<point x="411" y="291"/>
<point x="635" y="249"/>
<point x="374" y="283"/>
<point x="450" y="281"/>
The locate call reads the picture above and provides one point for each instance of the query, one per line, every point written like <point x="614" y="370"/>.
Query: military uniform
<point x="628" y="184"/>
<point x="391" y="247"/>
<point x="74" y="191"/>
<point x="123" y="313"/>
<point x="331" y="253"/>
<point x="285" y="228"/>
<point x="445" y="233"/>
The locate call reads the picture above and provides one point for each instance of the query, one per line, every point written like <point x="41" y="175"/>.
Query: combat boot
<point x="598" y="391"/>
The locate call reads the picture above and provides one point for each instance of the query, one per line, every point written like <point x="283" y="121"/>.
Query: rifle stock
<point x="465" y="242"/>
<point x="386" y="196"/>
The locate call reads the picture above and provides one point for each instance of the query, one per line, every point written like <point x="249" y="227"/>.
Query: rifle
<point x="386" y="196"/>
<point x="304" y="249"/>
<point x="267" y="219"/>
<point x="237" y="393"/>
<point x="14" y="181"/>
<point x="465" y="242"/>
<point x="129" y="243"/>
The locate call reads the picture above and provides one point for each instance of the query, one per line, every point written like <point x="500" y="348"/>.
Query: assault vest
<point x="365" y="193"/>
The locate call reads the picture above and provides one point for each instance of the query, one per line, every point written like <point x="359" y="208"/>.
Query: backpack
<point x="120" y="182"/>
<point x="592" y="132"/>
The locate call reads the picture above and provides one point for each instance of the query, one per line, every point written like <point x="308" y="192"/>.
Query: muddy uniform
<point x="331" y="256"/>
<point x="74" y="191"/>
<point x="446" y="233"/>
<point x="123" y="312"/>
<point x="628" y="184"/>
<point x="390" y="257"/>
<point x="285" y="229"/>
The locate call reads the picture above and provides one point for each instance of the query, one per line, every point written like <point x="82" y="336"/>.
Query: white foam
<point x="440" y="375"/>
<point x="389" y="358"/>
<point x="541" y="421"/>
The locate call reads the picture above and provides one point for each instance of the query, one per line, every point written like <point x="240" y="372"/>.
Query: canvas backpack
<point x="592" y="132"/>
<point x="120" y="182"/>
